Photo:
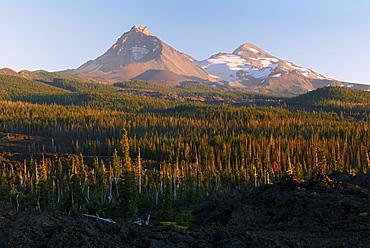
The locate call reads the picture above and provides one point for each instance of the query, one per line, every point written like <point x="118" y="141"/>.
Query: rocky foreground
<point x="324" y="211"/>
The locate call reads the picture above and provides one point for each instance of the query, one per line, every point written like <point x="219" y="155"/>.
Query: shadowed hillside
<point x="13" y="87"/>
<point x="334" y="98"/>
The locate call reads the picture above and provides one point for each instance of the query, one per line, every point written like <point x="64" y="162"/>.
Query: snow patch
<point x="254" y="50"/>
<point x="227" y="67"/>
<point x="320" y="77"/>
<point x="246" y="67"/>
<point x="223" y="67"/>
<point x="97" y="69"/>
<point x="272" y="59"/>
<point x="139" y="52"/>
<point x="265" y="62"/>
<point x="276" y="75"/>
<point x="269" y="62"/>
<point x="274" y="65"/>
<point x="259" y="73"/>
<point x="305" y="73"/>
<point x="296" y="67"/>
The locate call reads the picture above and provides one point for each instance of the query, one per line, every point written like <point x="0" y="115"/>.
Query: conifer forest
<point x="113" y="150"/>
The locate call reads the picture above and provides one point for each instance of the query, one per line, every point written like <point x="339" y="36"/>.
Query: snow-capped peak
<point x="249" y="66"/>
<point x="231" y="67"/>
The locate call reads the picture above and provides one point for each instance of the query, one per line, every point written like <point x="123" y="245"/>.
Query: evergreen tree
<point x="129" y="189"/>
<point x="166" y="212"/>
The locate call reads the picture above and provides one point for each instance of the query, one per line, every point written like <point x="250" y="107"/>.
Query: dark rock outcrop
<point x="324" y="211"/>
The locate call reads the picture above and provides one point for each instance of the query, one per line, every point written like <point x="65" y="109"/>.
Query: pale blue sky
<point x="331" y="37"/>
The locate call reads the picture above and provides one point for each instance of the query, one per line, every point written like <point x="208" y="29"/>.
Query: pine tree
<point x="166" y="213"/>
<point x="116" y="164"/>
<point x="129" y="190"/>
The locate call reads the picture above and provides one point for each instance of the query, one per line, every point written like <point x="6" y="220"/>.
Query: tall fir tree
<point x="129" y="189"/>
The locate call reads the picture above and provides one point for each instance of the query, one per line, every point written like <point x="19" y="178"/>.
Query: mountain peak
<point x="252" y="68"/>
<point x="135" y="52"/>
<point x="249" y="50"/>
<point x="141" y="29"/>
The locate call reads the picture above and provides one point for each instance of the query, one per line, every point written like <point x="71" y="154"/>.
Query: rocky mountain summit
<point x="136" y="52"/>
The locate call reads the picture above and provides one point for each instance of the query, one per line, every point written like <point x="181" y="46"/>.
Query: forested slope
<point x="112" y="153"/>
<point x="12" y="87"/>
<point x="335" y="98"/>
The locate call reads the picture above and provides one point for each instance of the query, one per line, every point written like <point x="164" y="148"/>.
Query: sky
<point x="331" y="37"/>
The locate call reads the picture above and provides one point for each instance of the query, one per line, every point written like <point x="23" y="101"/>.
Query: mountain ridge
<point x="140" y="54"/>
<point x="251" y="68"/>
<point x="135" y="52"/>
